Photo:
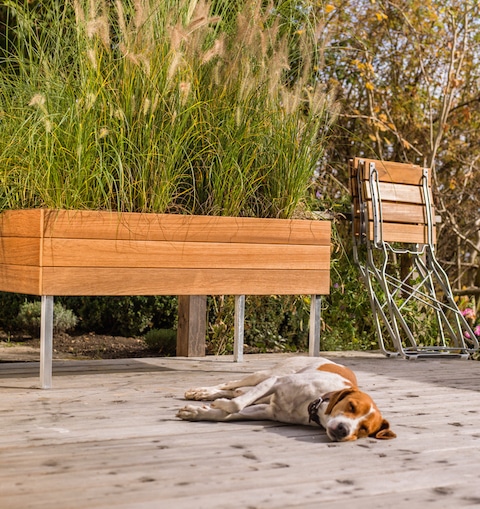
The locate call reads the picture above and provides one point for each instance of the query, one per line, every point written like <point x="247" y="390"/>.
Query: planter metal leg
<point x="239" y="328"/>
<point x="314" y="332"/>
<point x="46" y="342"/>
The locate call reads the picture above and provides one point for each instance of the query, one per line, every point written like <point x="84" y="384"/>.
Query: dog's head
<point x="352" y="414"/>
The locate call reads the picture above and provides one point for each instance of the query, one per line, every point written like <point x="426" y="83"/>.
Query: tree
<point x="407" y="76"/>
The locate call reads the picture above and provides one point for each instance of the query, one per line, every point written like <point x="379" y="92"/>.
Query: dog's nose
<point x="340" y="431"/>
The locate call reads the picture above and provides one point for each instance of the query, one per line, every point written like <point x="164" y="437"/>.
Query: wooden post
<point x="192" y="325"/>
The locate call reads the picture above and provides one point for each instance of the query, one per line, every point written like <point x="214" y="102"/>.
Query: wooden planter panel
<point x="48" y="252"/>
<point x="20" y="279"/>
<point x="181" y="255"/>
<point x="171" y="227"/>
<point x="105" y="281"/>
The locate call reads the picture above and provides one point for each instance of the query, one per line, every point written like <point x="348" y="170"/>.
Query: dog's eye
<point x="352" y="408"/>
<point x="363" y="430"/>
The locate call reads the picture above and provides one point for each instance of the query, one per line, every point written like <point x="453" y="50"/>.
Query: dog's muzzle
<point x="339" y="432"/>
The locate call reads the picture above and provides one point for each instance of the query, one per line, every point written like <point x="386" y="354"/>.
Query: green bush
<point x="29" y="318"/>
<point x="272" y="323"/>
<point x="163" y="341"/>
<point x="347" y="320"/>
<point x="123" y="316"/>
<point x="9" y="309"/>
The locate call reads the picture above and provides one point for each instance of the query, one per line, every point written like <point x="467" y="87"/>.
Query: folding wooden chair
<point x="414" y="310"/>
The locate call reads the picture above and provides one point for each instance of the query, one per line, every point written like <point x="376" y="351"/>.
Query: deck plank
<point x="106" y="437"/>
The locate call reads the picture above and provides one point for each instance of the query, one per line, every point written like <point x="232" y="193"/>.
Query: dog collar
<point x="313" y="410"/>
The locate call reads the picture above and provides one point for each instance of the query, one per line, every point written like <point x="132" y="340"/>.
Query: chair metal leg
<point x="417" y="310"/>
<point x="390" y="297"/>
<point x="46" y="342"/>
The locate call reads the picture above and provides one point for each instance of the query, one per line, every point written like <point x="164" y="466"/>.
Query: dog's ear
<point x="335" y="397"/>
<point x="384" y="433"/>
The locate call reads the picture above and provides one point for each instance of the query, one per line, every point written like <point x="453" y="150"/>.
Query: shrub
<point x="164" y="341"/>
<point x="29" y="317"/>
<point x="275" y="322"/>
<point x="123" y="316"/>
<point x="10" y="304"/>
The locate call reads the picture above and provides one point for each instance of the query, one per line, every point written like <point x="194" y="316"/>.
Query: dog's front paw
<point x="189" y="413"/>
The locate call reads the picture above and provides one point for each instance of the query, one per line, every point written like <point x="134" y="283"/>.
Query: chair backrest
<point x="392" y="202"/>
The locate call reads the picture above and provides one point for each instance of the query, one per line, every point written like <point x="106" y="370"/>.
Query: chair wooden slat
<point x="393" y="243"/>
<point x="403" y="233"/>
<point x="402" y="201"/>
<point x="406" y="213"/>
<point x="400" y="173"/>
<point x="392" y="192"/>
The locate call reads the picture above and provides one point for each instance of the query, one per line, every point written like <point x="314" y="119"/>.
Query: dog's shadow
<point x="308" y="434"/>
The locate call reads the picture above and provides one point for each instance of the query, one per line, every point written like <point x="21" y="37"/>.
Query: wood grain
<point x="181" y="228"/>
<point x="109" y="253"/>
<point x="21" y="223"/>
<point x="20" y="279"/>
<point x="178" y="255"/>
<point x="408" y="233"/>
<point x="392" y="192"/>
<point x="401" y="213"/>
<point x="192" y="324"/>
<point x="402" y="202"/>
<point x="391" y="171"/>
<point x="145" y="281"/>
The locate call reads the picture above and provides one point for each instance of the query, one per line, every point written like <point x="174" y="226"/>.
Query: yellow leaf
<point x="381" y="127"/>
<point x="369" y="85"/>
<point x="372" y="137"/>
<point x="329" y="8"/>
<point x="381" y="16"/>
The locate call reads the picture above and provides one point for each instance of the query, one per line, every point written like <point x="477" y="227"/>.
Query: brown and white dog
<point x="300" y="390"/>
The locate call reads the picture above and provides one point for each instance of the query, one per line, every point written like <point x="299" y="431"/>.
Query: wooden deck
<point x="106" y="436"/>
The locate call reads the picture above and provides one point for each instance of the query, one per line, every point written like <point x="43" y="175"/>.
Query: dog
<point x="300" y="390"/>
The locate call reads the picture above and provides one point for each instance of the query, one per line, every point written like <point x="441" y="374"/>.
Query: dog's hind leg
<point x="232" y="409"/>
<point x="237" y="404"/>
<point x="228" y="390"/>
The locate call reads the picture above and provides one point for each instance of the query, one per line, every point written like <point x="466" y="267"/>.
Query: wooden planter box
<point x="59" y="252"/>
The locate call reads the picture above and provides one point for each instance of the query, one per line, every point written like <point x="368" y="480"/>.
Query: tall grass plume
<point x="186" y="106"/>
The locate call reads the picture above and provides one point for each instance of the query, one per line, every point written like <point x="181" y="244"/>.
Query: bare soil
<point x="83" y="346"/>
